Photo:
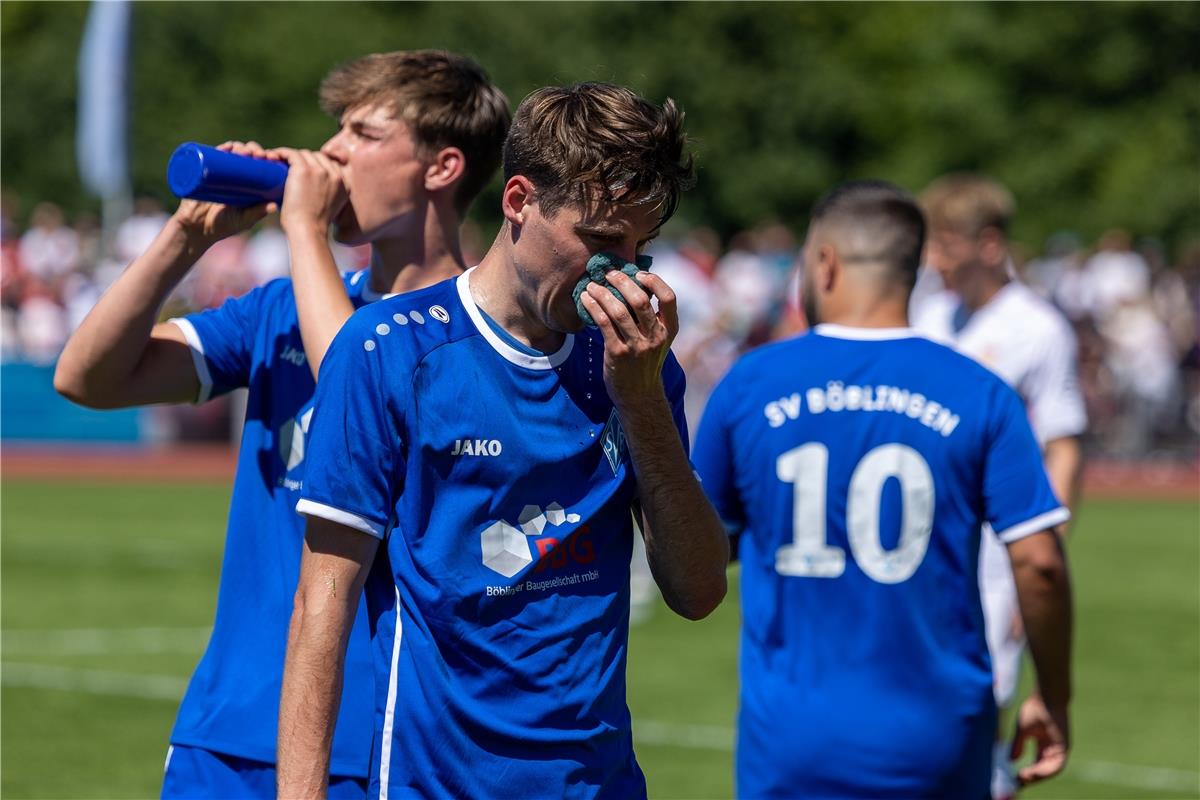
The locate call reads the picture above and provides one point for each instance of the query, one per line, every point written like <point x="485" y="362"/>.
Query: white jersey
<point x="1024" y="340"/>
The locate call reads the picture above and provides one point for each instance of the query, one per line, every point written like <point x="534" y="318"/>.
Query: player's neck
<point x="407" y="263"/>
<point x="978" y="294"/>
<point x="496" y="290"/>
<point x="890" y="315"/>
<point x="866" y="305"/>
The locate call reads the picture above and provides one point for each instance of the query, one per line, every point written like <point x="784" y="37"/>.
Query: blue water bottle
<point x="200" y="172"/>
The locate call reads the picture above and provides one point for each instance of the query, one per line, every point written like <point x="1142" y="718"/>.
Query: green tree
<point x="1089" y="112"/>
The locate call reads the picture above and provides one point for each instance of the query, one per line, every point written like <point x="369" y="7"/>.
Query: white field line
<point x="649" y="732"/>
<point x="695" y="737"/>
<point x="102" y="641"/>
<point x="1133" y="776"/>
<point x="94" y="681"/>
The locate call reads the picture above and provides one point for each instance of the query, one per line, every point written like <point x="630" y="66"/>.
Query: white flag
<point x="103" y="76"/>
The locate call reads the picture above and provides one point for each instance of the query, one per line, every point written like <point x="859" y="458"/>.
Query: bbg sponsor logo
<point x="506" y="547"/>
<point x="292" y="436"/>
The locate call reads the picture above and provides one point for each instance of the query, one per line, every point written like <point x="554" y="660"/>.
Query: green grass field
<point x="108" y="590"/>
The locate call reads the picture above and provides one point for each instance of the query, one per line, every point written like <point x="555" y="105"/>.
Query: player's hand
<point x="636" y="339"/>
<point x="1049" y="728"/>
<point x="207" y="223"/>
<point x="315" y="191"/>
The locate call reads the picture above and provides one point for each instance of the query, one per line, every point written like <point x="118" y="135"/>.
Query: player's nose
<point x="335" y="148"/>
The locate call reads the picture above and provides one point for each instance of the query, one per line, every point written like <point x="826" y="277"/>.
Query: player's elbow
<point x="1049" y="571"/>
<point x="72" y="384"/>
<point x="1040" y="561"/>
<point x="702" y="600"/>
<point x="304" y="608"/>
<point x="316" y="607"/>
<point x="714" y="598"/>
<point x="302" y="625"/>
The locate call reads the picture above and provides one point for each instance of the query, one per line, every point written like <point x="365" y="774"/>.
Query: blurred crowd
<point x="54" y="271"/>
<point x="1136" y="314"/>
<point x="1136" y="317"/>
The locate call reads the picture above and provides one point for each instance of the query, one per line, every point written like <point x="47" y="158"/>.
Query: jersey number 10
<point x="811" y="556"/>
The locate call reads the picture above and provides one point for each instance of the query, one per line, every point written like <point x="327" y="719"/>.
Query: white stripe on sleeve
<point x="1036" y="525"/>
<point x="311" y="508"/>
<point x="198" y="360"/>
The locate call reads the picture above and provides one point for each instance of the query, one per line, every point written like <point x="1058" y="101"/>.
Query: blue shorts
<point x="192" y="772"/>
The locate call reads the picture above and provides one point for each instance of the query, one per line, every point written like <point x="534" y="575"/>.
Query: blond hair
<point x="968" y="204"/>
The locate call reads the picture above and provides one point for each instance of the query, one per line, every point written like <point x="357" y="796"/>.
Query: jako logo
<point x="477" y="447"/>
<point x="294" y="356"/>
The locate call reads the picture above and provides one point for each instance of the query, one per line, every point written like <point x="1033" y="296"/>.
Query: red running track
<point x="1102" y="478"/>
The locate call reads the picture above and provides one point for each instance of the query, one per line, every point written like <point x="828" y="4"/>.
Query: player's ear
<point x="992" y="250"/>
<point x="828" y="267"/>
<point x="447" y="167"/>
<point x="516" y="199"/>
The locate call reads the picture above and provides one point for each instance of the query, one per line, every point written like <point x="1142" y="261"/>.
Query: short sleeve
<point x="222" y="342"/>
<point x="713" y="456"/>
<point x="1056" y="405"/>
<point x="353" y="467"/>
<point x="1017" y="493"/>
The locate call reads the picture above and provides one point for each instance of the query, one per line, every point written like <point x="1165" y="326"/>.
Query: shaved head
<point x="872" y="222"/>
<point x="873" y="232"/>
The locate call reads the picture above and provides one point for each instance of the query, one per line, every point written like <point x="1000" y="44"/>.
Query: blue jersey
<point x="232" y="702"/>
<point x="500" y="484"/>
<point x="861" y="466"/>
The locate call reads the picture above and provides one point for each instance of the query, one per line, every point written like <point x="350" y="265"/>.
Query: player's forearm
<point x="322" y="304"/>
<point x="308" y="705"/>
<point x="686" y="543"/>
<point x="333" y="568"/>
<point x="1044" y="594"/>
<point x="1064" y="466"/>
<point x="101" y="359"/>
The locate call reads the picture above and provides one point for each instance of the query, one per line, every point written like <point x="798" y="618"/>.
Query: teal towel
<point x="598" y="266"/>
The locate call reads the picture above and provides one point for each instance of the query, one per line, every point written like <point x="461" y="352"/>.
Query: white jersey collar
<point x="864" y="334"/>
<point x="507" y="351"/>
<point x="368" y="294"/>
